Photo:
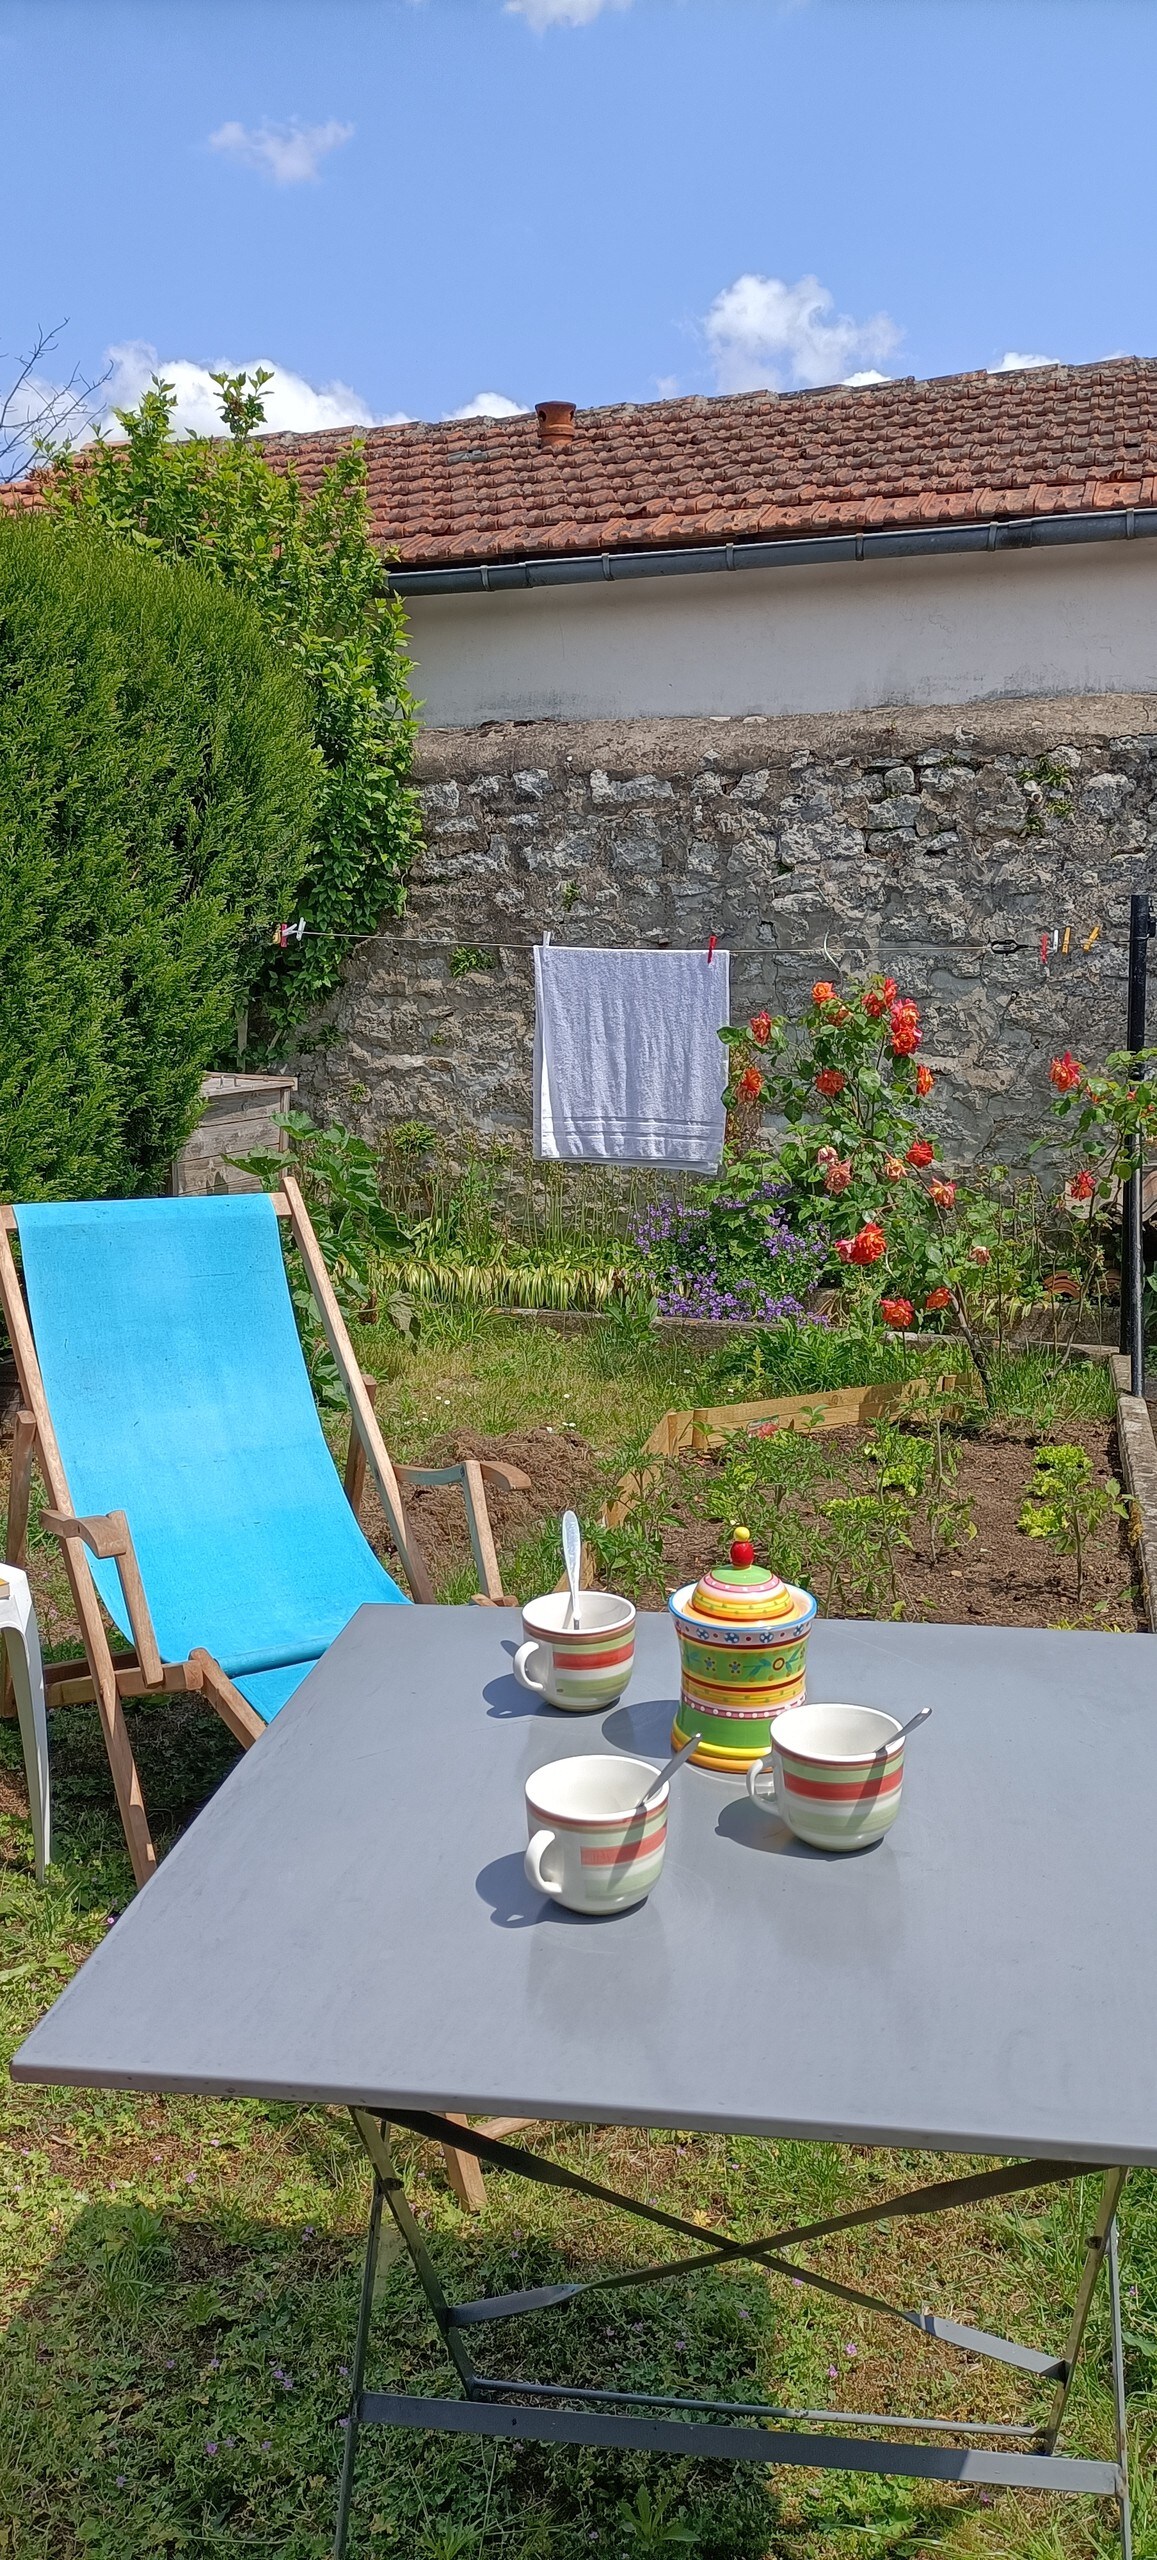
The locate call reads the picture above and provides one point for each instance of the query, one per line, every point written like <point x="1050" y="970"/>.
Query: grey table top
<point x="348" y="1921"/>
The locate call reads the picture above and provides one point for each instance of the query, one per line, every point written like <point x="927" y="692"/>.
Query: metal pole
<point x="353" y="2422"/>
<point x="1132" y="1220"/>
<point x="1118" y="2342"/>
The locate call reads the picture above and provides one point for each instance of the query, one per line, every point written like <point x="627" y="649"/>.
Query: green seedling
<point x="1066" y="1505"/>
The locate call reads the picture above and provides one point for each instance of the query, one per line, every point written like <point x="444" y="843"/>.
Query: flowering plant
<point x="728" y="1251"/>
<point x="1113" y="1118"/>
<point x="848" y="1084"/>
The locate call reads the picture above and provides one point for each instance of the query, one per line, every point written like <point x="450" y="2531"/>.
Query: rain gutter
<point x="1018" y="533"/>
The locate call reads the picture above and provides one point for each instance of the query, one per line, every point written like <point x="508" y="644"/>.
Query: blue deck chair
<point x="168" y="1407"/>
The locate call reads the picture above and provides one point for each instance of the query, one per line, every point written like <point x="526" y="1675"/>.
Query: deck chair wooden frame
<point x="139" y="1669"/>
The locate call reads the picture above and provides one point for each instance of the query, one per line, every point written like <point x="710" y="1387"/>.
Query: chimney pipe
<point x="555" y="421"/>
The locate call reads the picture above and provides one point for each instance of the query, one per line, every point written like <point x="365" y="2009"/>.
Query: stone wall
<point x="935" y="847"/>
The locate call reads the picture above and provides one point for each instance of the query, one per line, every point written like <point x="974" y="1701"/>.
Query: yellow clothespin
<point x="1066" y="939"/>
<point x="1095" y="936"/>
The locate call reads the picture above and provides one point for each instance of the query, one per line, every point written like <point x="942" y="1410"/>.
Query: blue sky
<point x="408" y="203"/>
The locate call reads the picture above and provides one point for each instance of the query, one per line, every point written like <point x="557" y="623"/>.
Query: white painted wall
<point x="963" y="628"/>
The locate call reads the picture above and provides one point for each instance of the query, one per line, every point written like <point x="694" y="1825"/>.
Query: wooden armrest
<point x="108" y="1534"/>
<point x="105" y="1534"/>
<point x="425" y="1477"/>
<point x="509" y="1479"/>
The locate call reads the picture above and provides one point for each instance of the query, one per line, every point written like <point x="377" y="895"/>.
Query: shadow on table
<point x="515" y="1904"/>
<point x="756" y="1826"/>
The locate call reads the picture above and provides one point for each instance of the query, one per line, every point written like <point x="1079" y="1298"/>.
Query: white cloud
<point x="490" y="404"/>
<point x="292" y="405"/>
<point x="763" y="333"/>
<point x="560" y="13"/>
<point x="288" y="153"/>
<point x="1012" y="363"/>
<point x="860" y="381"/>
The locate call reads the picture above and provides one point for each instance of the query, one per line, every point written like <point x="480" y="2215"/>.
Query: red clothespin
<point x="284" y="934"/>
<point x="711" y="949"/>
<point x="1045" y="948"/>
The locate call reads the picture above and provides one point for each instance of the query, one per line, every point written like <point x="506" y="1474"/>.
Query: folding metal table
<point x="348" y="1922"/>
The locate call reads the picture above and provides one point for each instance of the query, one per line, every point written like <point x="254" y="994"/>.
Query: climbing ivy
<point x="321" y="587"/>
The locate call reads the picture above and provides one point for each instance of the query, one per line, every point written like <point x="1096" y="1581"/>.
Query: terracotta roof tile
<point x="963" y="448"/>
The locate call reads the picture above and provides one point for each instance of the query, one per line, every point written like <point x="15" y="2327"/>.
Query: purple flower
<point x="210" y="2447"/>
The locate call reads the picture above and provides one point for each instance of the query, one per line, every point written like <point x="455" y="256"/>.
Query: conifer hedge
<point x="158" y="785"/>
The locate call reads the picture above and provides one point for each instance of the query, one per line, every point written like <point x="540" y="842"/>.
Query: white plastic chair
<point x="19" y="1633"/>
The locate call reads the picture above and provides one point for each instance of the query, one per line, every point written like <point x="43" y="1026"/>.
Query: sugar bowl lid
<point x="742" y="1593"/>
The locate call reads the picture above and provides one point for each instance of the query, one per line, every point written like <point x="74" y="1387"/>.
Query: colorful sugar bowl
<point x="743" y="1641"/>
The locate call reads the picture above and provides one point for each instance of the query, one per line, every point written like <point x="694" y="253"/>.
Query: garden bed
<point x="684" y="1511"/>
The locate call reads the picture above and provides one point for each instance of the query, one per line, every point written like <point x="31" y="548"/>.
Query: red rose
<point x="751" y="1084"/>
<point x="830" y="1083"/>
<point x="844" y="1248"/>
<point x="924" y="1082"/>
<point x="921" y="1151"/>
<point x="981" y="1254"/>
<point x="760" y="1029"/>
<point x="1066" y="1072"/>
<point x="943" y="1193"/>
<point x="870" y="1244"/>
<point x="897" y="1312"/>
<point x="1083" y="1185"/>
<point x="823" y="991"/>
<point x="905" y="1027"/>
<point x="936" y="1299"/>
<point x="838" y="1175"/>
<point x="880" y="998"/>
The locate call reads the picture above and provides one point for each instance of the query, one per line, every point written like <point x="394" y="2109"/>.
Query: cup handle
<point x="522" y="1672"/>
<point x="532" y="1865"/>
<point x="762" y="1795"/>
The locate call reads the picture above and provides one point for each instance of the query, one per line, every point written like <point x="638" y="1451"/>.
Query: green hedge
<point x="157" y="796"/>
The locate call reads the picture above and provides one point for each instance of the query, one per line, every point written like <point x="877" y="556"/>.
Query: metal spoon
<point x="883" y="1748"/>
<point x="572" y="1556"/>
<point x="657" y="1784"/>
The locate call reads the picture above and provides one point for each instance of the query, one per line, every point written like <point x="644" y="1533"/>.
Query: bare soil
<point x="1000" y="1577"/>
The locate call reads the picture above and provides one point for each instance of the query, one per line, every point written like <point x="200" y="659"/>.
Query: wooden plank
<point x="378" y="1457"/>
<point x="1139" y="1469"/>
<point x="355" y="1462"/>
<point x="243" y="1722"/>
<point x="465" y="2174"/>
<point x="709" y="1427"/>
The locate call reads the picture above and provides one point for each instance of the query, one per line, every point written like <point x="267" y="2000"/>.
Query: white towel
<point x="628" y="1064"/>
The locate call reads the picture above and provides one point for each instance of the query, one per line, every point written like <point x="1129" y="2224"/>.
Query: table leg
<point x="1118" y="2344"/>
<point x="353" y="2422"/>
<point x="516" y="2408"/>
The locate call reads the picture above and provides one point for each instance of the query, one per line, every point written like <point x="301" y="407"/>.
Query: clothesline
<point x="738" y="950"/>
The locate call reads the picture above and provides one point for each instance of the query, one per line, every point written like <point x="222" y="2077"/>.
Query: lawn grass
<point x="178" y="2278"/>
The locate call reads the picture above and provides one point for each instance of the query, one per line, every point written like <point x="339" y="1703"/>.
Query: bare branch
<point x="39" y="416"/>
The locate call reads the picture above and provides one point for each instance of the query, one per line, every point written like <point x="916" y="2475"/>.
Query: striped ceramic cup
<point x="590" y="1846"/>
<point x="583" y="1667"/>
<point x="834" y="1775"/>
